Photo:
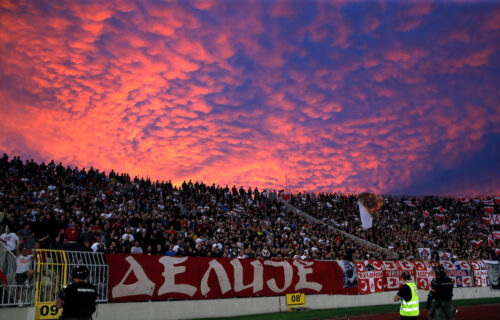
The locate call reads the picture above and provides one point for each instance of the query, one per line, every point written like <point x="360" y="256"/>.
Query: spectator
<point x="10" y="239"/>
<point x="136" y="249"/>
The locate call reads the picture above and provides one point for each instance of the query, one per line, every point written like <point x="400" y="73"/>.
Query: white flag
<point x="366" y="217"/>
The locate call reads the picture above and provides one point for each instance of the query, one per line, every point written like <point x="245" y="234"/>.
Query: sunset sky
<point x="385" y="96"/>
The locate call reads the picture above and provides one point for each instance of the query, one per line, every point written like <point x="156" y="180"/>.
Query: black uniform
<point x="439" y="301"/>
<point x="79" y="300"/>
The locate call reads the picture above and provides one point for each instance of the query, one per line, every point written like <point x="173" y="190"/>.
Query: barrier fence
<point x="123" y="277"/>
<point x="53" y="270"/>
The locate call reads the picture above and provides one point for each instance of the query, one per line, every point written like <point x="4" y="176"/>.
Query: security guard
<point x="439" y="299"/>
<point x="408" y="295"/>
<point x="78" y="298"/>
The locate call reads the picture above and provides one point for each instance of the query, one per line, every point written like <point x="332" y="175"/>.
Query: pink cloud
<point x="160" y="92"/>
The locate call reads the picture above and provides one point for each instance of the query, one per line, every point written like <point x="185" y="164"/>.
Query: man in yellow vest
<point x="408" y="295"/>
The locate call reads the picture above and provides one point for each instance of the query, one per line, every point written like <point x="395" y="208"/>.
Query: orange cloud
<point x="245" y="93"/>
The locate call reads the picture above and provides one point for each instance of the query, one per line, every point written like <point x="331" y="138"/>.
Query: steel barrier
<point x="52" y="274"/>
<point x="98" y="270"/>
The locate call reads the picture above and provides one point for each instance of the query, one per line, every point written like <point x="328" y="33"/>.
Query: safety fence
<point x="52" y="270"/>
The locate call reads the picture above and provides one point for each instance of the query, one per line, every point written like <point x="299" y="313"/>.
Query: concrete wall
<point x="17" y="313"/>
<point x="245" y="306"/>
<point x="190" y="309"/>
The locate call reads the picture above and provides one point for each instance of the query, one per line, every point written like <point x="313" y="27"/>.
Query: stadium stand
<point x="55" y="207"/>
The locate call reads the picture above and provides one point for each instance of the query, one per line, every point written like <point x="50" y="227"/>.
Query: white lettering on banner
<point x="258" y="277"/>
<point x="224" y="283"/>
<point x="169" y="272"/>
<point x="142" y="286"/>
<point x="494" y="218"/>
<point x="370" y="274"/>
<point x="287" y="272"/>
<point x="303" y="272"/>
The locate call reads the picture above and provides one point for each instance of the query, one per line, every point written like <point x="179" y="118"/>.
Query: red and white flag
<point x="445" y="227"/>
<point x="496" y="235"/>
<point x="488" y="210"/>
<point x="286" y="196"/>
<point x="440" y="208"/>
<point x="476" y="199"/>
<point x="483" y="226"/>
<point x="439" y="217"/>
<point x="489" y="202"/>
<point x="477" y="243"/>
<point x="497" y="252"/>
<point x="410" y="204"/>
<point x="486" y="219"/>
<point x="426" y="213"/>
<point x="497" y="200"/>
<point x="491" y="241"/>
<point x="463" y="199"/>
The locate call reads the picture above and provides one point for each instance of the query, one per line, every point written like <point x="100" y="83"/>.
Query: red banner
<point x="480" y="273"/>
<point x="460" y="272"/>
<point x="370" y="276"/>
<point x="424" y="273"/>
<point x="393" y="271"/>
<point x="143" y="278"/>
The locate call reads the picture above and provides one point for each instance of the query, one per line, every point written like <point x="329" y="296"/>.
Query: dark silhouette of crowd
<point x="58" y="207"/>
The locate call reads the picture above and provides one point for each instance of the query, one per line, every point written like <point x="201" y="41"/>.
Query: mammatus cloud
<point x="336" y="96"/>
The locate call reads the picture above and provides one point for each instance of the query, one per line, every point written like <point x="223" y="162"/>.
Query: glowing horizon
<point x="387" y="97"/>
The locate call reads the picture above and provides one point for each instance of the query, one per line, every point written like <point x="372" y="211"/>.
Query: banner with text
<point x="370" y="276"/>
<point x="480" y="273"/>
<point x="424" y="273"/>
<point x="143" y="277"/>
<point x="460" y="272"/>
<point x="494" y="218"/>
<point x="393" y="271"/>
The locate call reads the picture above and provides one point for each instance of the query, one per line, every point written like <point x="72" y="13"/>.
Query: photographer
<point x="439" y="299"/>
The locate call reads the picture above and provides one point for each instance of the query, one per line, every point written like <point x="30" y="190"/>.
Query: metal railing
<point x="16" y="295"/>
<point x="98" y="270"/>
<point x="338" y="231"/>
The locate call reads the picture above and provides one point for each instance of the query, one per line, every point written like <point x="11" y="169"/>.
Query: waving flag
<point x="489" y="202"/>
<point x="439" y="217"/>
<point x="483" y="226"/>
<point x="486" y="219"/>
<point x="491" y="241"/>
<point x="477" y="243"/>
<point x="426" y="213"/>
<point x="410" y="204"/>
<point x="497" y="200"/>
<point x="441" y="209"/>
<point x="488" y="210"/>
<point x="366" y="217"/>
<point x="496" y="235"/>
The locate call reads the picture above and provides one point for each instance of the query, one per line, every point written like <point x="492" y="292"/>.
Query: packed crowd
<point x="52" y="206"/>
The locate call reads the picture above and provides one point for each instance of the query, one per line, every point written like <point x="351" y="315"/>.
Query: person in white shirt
<point x="136" y="249"/>
<point x="24" y="270"/>
<point x="10" y="239"/>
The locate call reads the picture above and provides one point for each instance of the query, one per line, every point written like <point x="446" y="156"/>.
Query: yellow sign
<point x="47" y="311"/>
<point x="295" y="299"/>
<point x="51" y="276"/>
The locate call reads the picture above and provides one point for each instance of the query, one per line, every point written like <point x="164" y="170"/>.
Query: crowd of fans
<point x="52" y="206"/>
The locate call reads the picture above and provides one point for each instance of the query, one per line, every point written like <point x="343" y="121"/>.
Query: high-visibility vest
<point x="410" y="308"/>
